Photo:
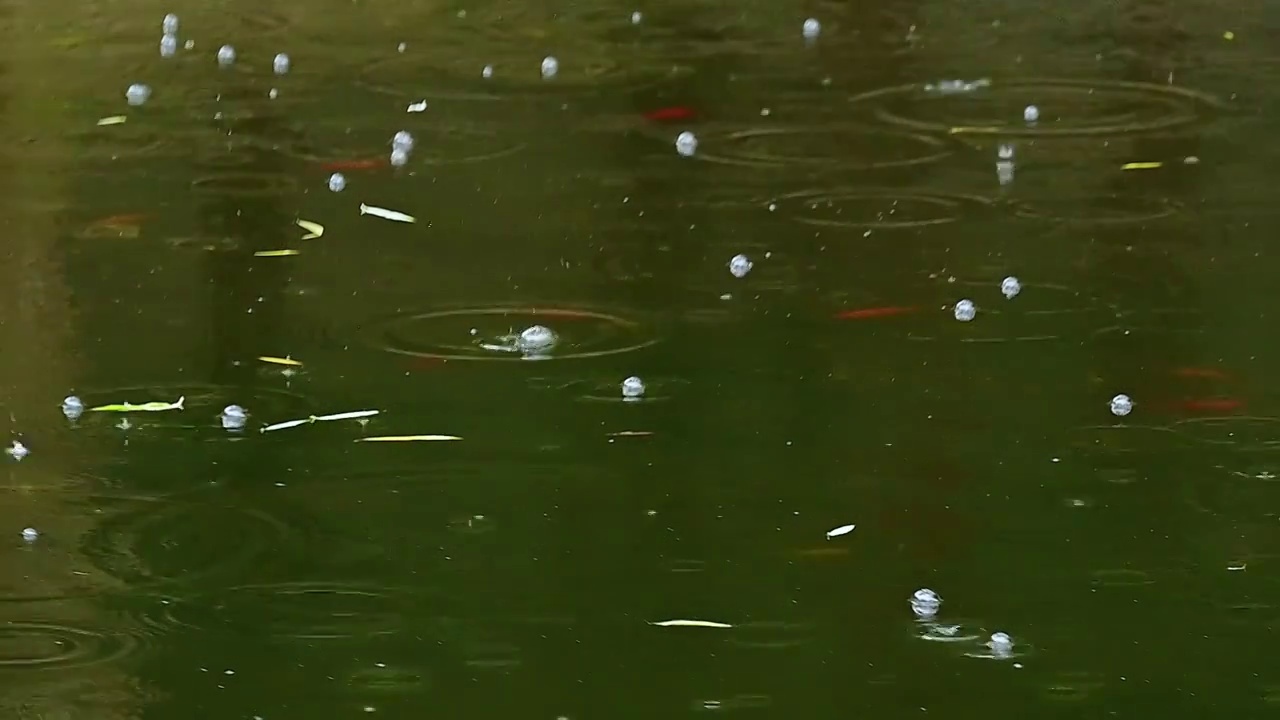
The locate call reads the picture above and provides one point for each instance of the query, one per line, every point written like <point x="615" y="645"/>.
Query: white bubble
<point x="72" y="407"/>
<point x="1121" y="405"/>
<point x="169" y="26"/>
<point x="811" y="28"/>
<point x="402" y="47"/>
<point x="686" y="143"/>
<point x="30" y="534"/>
<point x="1031" y="114"/>
<point x="1000" y="643"/>
<point x="636" y="17"/>
<point x="740" y="265"/>
<point x="137" y="94"/>
<point x="536" y="338"/>
<point x="168" y="46"/>
<point x="632" y="387"/>
<point x="965" y="310"/>
<point x="226" y="55"/>
<point x="1005" y="151"/>
<point x="17" y="450"/>
<point x="550" y="67"/>
<point x="273" y="93"/>
<point x="402" y="140"/>
<point x="337" y="182"/>
<point x="1010" y="287"/>
<point x="487" y="72"/>
<point x="233" y="417"/>
<point x="280" y="64"/>
<point x="925" y="603"/>
<point x="399" y="157"/>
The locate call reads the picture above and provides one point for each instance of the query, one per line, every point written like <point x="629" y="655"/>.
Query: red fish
<point x="875" y="312"/>
<point x="349" y="165"/>
<point x="670" y="114"/>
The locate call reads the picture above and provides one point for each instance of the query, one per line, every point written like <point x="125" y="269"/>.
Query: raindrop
<point x="30" y="534"/>
<point x="337" y="182"/>
<point x="72" y="407"/>
<point x="168" y="46"/>
<point x="1001" y="644"/>
<point x="1121" y="405"/>
<point x="399" y="157"/>
<point x="402" y="47"/>
<point x="137" y="94"/>
<point x="1005" y="151"/>
<point x="550" y="67"/>
<point x="402" y="140"/>
<point x="1010" y="287"/>
<point x="536" y="338"/>
<point x="633" y="388"/>
<point x="1031" y="114"/>
<point x="965" y="310"/>
<point x="740" y="265"/>
<point x="233" y="417"/>
<point x="226" y="55"/>
<point x="686" y="144"/>
<point x="170" y="24"/>
<point x="636" y="17"/>
<point x="811" y="29"/>
<point x="487" y="72"/>
<point x="925" y="603"/>
<point x="17" y="450"/>
<point x="280" y="65"/>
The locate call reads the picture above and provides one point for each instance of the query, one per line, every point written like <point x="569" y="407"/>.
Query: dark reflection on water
<point x="183" y="568"/>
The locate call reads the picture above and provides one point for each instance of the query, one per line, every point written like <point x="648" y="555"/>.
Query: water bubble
<point x="168" y="46"/>
<point x="280" y="65"/>
<point x="72" y="407"/>
<point x="233" y="417"/>
<point x="925" y="603"/>
<point x="273" y="93"/>
<point x="137" y="94"/>
<point x="30" y="534"/>
<point x="1005" y="151"/>
<point x="550" y="67"/>
<point x="686" y="143"/>
<point x="632" y="388"/>
<point x="1031" y="114"/>
<point x="399" y="157"/>
<point x="169" y="26"/>
<point x="337" y="182"/>
<point x="811" y="29"/>
<point x="636" y="17"/>
<point x="740" y="265"/>
<point x="965" y="310"/>
<point x="403" y="140"/>
<point x="17" y="451"/>
<point x="536" y="338"/>
<point x="1001" y="644"/>
<point x="487" y="72"/>
<point x="226" y="55"/>
<point x="1010" y="287"/>
<point x="1121" y="405"/>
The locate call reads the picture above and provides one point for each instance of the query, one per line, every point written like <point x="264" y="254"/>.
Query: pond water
<point x="596" y="360"/>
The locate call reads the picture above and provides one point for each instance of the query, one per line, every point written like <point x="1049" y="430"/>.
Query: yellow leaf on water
<point x="280" y="360"/>
<point x="1141" y="166"/>
<point x="113" y="120"/>
<point x="276" y="253"/>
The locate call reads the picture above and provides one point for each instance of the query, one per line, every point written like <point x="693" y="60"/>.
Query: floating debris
<point x="691" y="623"/>
<point x="288" y="361"/>
<point x="353" y="415"/>
<point x="1141" y="166"/>
<point x="277" y="253"/>
<point x="842" y="530"/>
<point x="420" y="106"/>
<point x="386" y="214"/>
<point x="113" y="120"/>
<point x="408" y="438"/>
<point x="314" y="230"/>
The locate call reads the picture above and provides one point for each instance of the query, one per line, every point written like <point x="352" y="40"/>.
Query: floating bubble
<point x="137" y="94"/>
<point x="30" y="534"/>
<point x="550" y="67"/>
<point x="226" y="55"/>
<point x="233" y="417"/>
<point x="72" y="407"/>
<point x="487" y="72"/>
<point x="17" y="451"/>
<point x="402" y="140"/>
<point x="811" y="29"/>
<point x="168" y="46"/>
<point x="337" y="182"/>
<point x="636" y="18"/>
<point x="280" y="64"/>
<point x="633" y="388"/>
<point x="536" y="339"/>
<point x="1005" y="151"/>
<point x="169" y="26"/>
<point x="1121" y="405"/>
<point x="1000" y="644"/>
<point x="1031" y="113"/>
<point x="965" y="310"/>
<point x="1010" y="287"/>
<point x="740" y="265"/>
<point x="686" y="144"/>
<point x="925" y="603"/>
<point x="399" y="157"/>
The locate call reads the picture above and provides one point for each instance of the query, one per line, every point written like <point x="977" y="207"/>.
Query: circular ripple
<point x="1121" y="577"/>
<point x="771" y="635"/>
<point x="1070" y="108"/>
<point x="583" y="333"/>
<point x="1073" y="686"/>
<point x="126" y="141"/>
<point x="436" y="144"/>
<point x="1237" y="433"/>
<point x="879" y="208"/>
<point x="245" y="185"/>
<point x="382" y="678"/>
<point x="297" y="611"/>
<point x="148" y="543"/>
<point x="1107" y="210"/>
<point x="656" y="389"/>
<point x="27" y="645"/>
<point x="850" y="148"/>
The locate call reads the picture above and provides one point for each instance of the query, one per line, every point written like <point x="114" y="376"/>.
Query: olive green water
<point x="183" y="570"/>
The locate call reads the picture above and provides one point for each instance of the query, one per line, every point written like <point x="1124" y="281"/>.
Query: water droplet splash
<point x="925" y="603"/>
<point x="233" y="417"/>
<point x="168" y="46"/>
<point x="686" y="144"/>
<point x="337" y="182"/>
<point x="137" y="94"/>
<point x="536" y="339"/>
<point x="1010" y="287"/>
<point x="280" y="64"/>
<point x="965" y="310"/>
<point x="633" y="388"/>
<point x="1031" y="114"/>
<point x="226" y="55"/>
<point x="169" y="26"/>
<point x="72" y="407"/>
<point x="399" y="157"/>
<point x="402" y="140"/>
<point x="550" y="67"/>
<point x="30" y="534"/>
<point x="1121" y="405"/>
<point x="811" y="29"/>
<point x="17" y="451"/>
<point x="1001" y="644"/>
<point x="740" y="265"/>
